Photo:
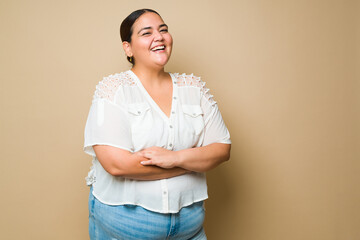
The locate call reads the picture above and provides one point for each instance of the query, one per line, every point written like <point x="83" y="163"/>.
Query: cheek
<point x="169" y="39"/>
<point x="141" y="46"/>
<point x="145" y="42"/>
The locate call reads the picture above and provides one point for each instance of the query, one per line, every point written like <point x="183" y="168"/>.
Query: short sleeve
<point x="215" y="128"/>
<point x="107" y="124"/>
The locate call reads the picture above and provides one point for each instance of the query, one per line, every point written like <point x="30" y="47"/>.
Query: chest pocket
<point x="138" y="109"/>
<point x="193" y="115"/>
<point x="140" y="119"/>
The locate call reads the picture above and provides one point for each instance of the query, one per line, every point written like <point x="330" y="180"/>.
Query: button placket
<point x="171" y="136"/>
<point x="165" y="195"/>
<point x="171" y="125"/>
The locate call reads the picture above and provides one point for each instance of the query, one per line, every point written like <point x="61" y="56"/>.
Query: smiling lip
<point x="158" y="50"/>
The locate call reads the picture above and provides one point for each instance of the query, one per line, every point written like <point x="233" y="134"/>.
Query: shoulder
<point x="110" y="84"/>
<point x="188" y="80"/>
<point x="191" y="80"/>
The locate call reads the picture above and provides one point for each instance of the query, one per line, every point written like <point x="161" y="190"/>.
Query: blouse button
<point x="171" y="126"/>
<point x="175" y="98"/>
<point x="138" y="112"/>
<point x="165" y="192"/>
<point x="170" y="145"/>
<point x="173" y="112"/>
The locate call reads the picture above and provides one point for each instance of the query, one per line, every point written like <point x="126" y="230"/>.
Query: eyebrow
<point x="160" y="26"/>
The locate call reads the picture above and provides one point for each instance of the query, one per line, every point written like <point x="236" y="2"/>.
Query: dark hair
<point x="126" y="27"/>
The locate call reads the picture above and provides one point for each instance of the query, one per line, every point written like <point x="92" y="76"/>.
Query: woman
<point x="152" y="135"/>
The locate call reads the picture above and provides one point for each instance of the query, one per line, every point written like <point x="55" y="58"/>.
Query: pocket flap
<point x="138" y="108"/>
<point x="192" y="110"/>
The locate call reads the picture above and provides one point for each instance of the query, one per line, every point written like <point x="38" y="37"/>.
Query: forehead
<point x="148" y="19"/>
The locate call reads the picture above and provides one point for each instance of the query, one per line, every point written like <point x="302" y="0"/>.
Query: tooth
<point x="158" y="48"/>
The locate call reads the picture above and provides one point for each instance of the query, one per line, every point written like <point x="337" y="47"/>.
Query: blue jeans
<point x="131" y="222"/>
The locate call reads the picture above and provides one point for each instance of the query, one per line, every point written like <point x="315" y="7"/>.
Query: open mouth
<point x="158" y="48"/>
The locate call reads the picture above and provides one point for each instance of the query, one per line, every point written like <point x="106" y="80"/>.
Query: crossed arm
<point x="159" y="163"/>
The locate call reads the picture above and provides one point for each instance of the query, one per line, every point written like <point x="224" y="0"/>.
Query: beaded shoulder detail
<point x="107" y="87"/>
<point x="184" y="80"/>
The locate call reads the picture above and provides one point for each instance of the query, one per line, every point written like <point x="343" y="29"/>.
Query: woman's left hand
<point x="159" y="156"/>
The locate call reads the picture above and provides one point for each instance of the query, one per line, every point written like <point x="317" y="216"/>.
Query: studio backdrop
<point x="285" y="75"/>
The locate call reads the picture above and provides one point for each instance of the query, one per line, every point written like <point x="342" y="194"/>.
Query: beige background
<point x="285" y="75"/>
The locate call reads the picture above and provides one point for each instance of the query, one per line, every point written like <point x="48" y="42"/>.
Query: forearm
<point x="133" y="169"/>
<point x="119" y="162"/>
<point x="202" y="159"/>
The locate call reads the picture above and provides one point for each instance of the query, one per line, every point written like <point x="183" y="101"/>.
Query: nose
<point x="158" y="36"/>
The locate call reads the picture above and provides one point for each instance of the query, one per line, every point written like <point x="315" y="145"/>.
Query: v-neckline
<point x="151" y="100"/>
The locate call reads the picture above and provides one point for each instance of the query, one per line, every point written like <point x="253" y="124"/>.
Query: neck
<point x="152" y="76"/>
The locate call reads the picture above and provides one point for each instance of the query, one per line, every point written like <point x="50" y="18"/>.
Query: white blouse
<point x="124" y="115"/>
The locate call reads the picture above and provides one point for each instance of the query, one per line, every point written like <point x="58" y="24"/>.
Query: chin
<point x="161" y="62"/>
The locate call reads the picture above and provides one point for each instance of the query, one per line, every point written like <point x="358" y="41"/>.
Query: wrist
<point x="177" y="159"/>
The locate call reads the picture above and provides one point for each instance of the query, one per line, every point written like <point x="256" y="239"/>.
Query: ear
<point x="127" y="48"/>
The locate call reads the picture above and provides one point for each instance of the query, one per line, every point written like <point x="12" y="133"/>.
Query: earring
<point x="131" y="59"/>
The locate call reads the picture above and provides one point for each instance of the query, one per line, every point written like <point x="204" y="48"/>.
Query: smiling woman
<point x="152" y="136"/>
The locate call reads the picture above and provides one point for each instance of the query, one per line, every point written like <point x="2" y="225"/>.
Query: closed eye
<point x="162" y="30"/>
